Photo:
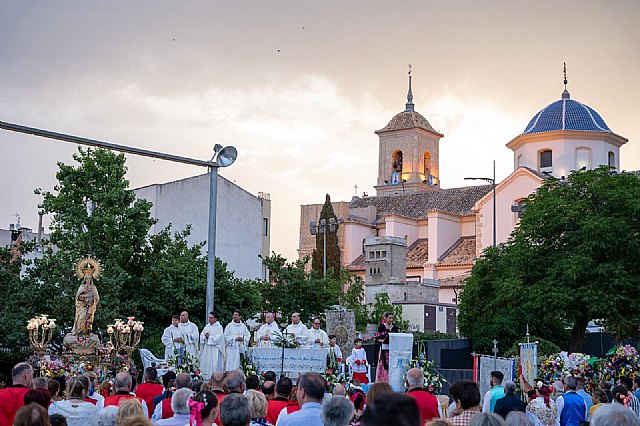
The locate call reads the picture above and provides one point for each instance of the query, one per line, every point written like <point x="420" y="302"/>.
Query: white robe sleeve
<point x="325" y="341"/>
<point x="167" y="340"/>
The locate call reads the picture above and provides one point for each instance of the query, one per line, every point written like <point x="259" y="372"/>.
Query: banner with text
<point x="295" y="360"/>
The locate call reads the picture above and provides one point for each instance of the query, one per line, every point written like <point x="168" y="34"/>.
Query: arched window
<point x="545" y="159"/>
<point x="611" y="159"/>
<point x="427" y="164"/>
<point x="519" y="161"/>
<point x="583" y="158"/>
<point x="396" y="161"/>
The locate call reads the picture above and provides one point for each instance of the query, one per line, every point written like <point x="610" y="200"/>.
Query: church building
<point x="417" y="241"/>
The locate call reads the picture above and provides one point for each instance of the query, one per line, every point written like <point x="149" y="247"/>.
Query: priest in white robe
<point x="297" y="330"/>
<point x="268" y="332"/>
<point x="237" y="337"/>
<point x="318" y="338"/>
<point x="188" y="334"/>
<point x="171" y="338"/>
<point x="212" y="342"/>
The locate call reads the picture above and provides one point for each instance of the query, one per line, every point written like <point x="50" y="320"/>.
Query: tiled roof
<point x="566" y="114"/>
<point x="454" y="282"/>
<point x="357" y="264"/>
<point x="457" y="201"/>
<point x="418" y="253"/>
<point x="462" y="252"/>
<point x="407" y="120"/>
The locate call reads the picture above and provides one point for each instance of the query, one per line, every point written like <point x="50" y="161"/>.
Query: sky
<point x="299" y="87"/>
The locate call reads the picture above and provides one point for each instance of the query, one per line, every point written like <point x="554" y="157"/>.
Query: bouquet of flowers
<point x="563" y="364"/>
<point x="433" y="381"/>
<point x="52" y="368"/>
<point x="282" y="341"/>
<point x="184" y="362"/>
<point x="621" y="361"/>
<point x="121" y="362"/>
<point x="248" y="367"/>
<point x="332" y="361"/>
<point x="332" y="377"/>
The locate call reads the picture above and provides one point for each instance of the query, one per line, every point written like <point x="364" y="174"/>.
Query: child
<point x="334" y="347"/>
<point x="359" y="363"/>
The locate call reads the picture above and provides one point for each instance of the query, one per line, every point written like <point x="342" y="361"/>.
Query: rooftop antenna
<point x="409" y="104"/>
<point x="565" y="93"/>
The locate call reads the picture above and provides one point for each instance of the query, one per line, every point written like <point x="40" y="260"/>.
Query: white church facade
<point x="417" y="241"/>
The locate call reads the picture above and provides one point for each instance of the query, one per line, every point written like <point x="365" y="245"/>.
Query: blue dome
<point x="566" y="114"/>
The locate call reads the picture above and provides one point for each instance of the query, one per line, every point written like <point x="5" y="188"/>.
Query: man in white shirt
<point x="318" y="338"/>
<point x="297" y="330"/>
<point x="237" y="339"/>
<point x="189" y="334"/>
<point x="212" y="341"/>
<point x="171" y="338"/>
<point x="267" y="332"/>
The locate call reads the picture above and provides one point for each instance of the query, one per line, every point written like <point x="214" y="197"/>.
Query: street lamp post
<point x="321" y="228"/>
<point x="493" y="184"/>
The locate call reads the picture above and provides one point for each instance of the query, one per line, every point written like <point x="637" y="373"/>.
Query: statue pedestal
<point x="81" y="344"/>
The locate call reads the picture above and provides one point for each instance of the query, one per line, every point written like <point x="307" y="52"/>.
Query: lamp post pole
<point x="324" y="247"/>
<point x="492" y="181"/>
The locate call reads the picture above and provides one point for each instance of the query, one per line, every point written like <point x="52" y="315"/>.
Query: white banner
<point x="400" y="350"/>
<point x="489" y="364"/>
<point x="295" y="360"/>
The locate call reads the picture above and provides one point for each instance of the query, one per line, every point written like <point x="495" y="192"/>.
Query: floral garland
<point x="621" y="361"/>
<point x="433" y="382"/>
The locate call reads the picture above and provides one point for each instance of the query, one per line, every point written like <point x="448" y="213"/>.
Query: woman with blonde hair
<point x="257" y="407"/>
<point x="128" y="408"/>
<point x="75" y="409"/>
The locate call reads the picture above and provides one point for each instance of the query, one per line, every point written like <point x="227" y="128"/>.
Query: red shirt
<point x="427" y="404"/>
<point x="11" y="399"/>
<point x="148" y="391"/>
<point x="220" y="395"/>
<point x="167" y="411"/>
<point x="115" y="399"/>
<point x="274" y="406"/>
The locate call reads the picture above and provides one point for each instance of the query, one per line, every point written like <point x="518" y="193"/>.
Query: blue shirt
<point x="308" y="415"/>
<point x="586" y="397"/>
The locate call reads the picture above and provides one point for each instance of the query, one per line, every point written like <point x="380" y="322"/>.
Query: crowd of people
<point x="231" y="399"/>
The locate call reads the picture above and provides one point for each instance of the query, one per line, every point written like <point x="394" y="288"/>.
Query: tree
<point x="381" y="305"/>
<point x="292" y="289"/>
<point x="572" y="258"/>
<point x="333" y="249"/>
<point x="354" y="298"/>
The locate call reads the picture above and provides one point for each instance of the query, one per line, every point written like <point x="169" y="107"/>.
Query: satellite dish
<point x="227" y="156"/>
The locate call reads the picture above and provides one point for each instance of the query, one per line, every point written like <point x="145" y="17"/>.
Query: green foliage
<point x="292" y="289"/>
<point x="333" y="249"/>
<point x="381" y="305"/>
<point x="572" y="258"/>
<point x="353" y="298"/>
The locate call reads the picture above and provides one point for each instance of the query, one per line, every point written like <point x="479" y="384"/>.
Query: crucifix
<point x="356" y="189"/>
<point x="528" y="335"/>
<point x="495" y="354"/>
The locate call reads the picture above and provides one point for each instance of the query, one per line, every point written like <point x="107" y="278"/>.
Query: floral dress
<point x="382" y="371"/>
<point x="541" y="415"/>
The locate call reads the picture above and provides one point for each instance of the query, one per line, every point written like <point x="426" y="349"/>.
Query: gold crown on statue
<point x="88" y="266"/>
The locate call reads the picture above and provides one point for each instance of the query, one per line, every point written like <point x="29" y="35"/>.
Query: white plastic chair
<point x="350" y="369"/>
<point x="150" y="360"/>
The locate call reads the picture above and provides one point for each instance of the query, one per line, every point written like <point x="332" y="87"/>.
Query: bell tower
<point x="408" y="153"/>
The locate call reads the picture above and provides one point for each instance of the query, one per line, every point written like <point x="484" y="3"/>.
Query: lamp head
<point x="227" y="156"/>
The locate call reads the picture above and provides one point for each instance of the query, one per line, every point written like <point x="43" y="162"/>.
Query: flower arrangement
<point x="563" y="364"/>
<point x="283" y="341"/>
<point x="332" y="361"/>
<point x="248" y="367"/>
<point x="67" y="368"/>
<point x="433" y="381"/>
<point x="332" y="377"/>
<point x="184" y="362"/>
<point x="621" y="361"/>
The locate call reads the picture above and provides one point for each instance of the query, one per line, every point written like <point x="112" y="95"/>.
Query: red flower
<point x="339" y="359"/>
<point x="329" y="371"/>
<point x="198" y="372"/>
